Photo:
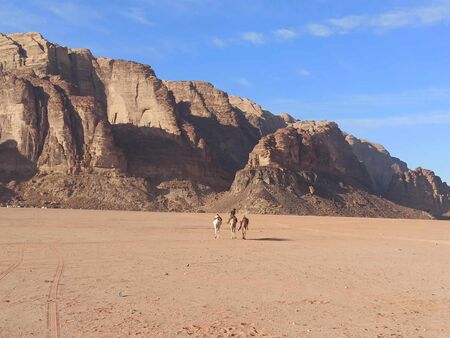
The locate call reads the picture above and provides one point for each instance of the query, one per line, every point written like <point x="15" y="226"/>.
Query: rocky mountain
<point x="380" y="165"/>
<point x="420" y="189"/>
<point x="307" y="168"/>
<point x="80" y="131"/>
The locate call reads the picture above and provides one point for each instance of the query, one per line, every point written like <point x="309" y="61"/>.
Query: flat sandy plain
<point x="71" y="273"/>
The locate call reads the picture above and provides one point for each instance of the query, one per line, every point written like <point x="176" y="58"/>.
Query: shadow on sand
<point x="270" y="239"/>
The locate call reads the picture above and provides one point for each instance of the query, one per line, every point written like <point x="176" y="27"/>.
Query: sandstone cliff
<point x="307" y="168"/>
<point x="52" y="129"/>
<point x="420" y="189"/>
<point x="228" y="126"/>
<point x="80" y="131"/>
<point x="380" y="165"/>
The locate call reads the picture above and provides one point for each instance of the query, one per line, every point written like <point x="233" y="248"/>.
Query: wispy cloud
<point x="437" y="13"/>
<point x="415" y="17"/>
<point x="138" y="15"/>
<point x="284" y="34"/>
<point x="319" y="30"/>
<point x="253" y="37"/>
<point x="409" y="17"/>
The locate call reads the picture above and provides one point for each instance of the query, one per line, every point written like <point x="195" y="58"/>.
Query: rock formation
<point x="420" y="189"/>
<point x="380" y="165"/>
<point x="307" y="168"/>
<point x="80" y="131"/>
<point x="53" y="129"/>
<point x="229" y="126"/>
<point x="259" y="118"/>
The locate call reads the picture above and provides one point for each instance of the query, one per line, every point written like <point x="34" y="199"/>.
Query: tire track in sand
<point x="13" y="266"/>
<point x="53" y="325"/>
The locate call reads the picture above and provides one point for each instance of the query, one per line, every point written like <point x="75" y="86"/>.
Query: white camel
<point x="217" y="222"/>
<point x="232" y="222"/>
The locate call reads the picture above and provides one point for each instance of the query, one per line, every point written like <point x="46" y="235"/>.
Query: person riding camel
<point x="232" y="215"/>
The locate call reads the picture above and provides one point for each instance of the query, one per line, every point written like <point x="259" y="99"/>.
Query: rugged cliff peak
<point x="287" y="118"/>
<point x="380" y="165"/>
<point x="309" y="145"/>
<point x="261" y="119"/>
<point x="30" y="53"/>
<point x="420" y="189"/>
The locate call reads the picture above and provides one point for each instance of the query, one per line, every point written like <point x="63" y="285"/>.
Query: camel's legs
<point x="216" y="232"/>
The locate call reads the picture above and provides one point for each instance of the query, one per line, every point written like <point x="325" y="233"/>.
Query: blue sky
<point x="380" y="68"/>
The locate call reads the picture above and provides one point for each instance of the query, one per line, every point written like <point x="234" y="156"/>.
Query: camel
<point x="233" y="221"/>
<point x="217" y="222"/>
<point x="244" y="226"/>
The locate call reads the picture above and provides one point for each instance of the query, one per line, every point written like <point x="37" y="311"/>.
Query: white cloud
<point x="253" y="37"/>
<point x="437" y="13"/>
<point x="415" y="17"/>
<point x="319" y="30"/>
<point x="347" y="23"/>
<point x="285" y="34"/>
<point x="138" y="15"/>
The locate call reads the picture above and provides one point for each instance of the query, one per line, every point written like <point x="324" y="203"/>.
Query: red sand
<point x="118" y="274"/>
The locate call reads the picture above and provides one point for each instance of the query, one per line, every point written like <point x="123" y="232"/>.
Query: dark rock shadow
<point x="14" y="168"/>
<point x="156" y="155"/>
<point x="229" y="145"/>
<point x="13" y="165"/>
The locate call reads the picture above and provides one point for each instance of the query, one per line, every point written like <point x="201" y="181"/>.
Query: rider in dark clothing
<point x="232" y="215"/>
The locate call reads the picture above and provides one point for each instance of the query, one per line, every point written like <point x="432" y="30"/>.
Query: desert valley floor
<point x="73" y="273"/>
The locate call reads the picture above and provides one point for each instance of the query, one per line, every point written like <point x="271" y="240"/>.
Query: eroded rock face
<point x="52" y="129"/>
<point x="380" y="165"/>
<point x="30" y="53"/>
<point x="207" y="112"/>
<point x="307" y="168"/>
<point x="261" y="119"/>
<point x="325" y="150"/>
<point x="420" y="189"/>
<point x="135" y="95"/>
<point x="317" y="147"/>
<point x="281" y="149"/>
<point x="70" y="122"/>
